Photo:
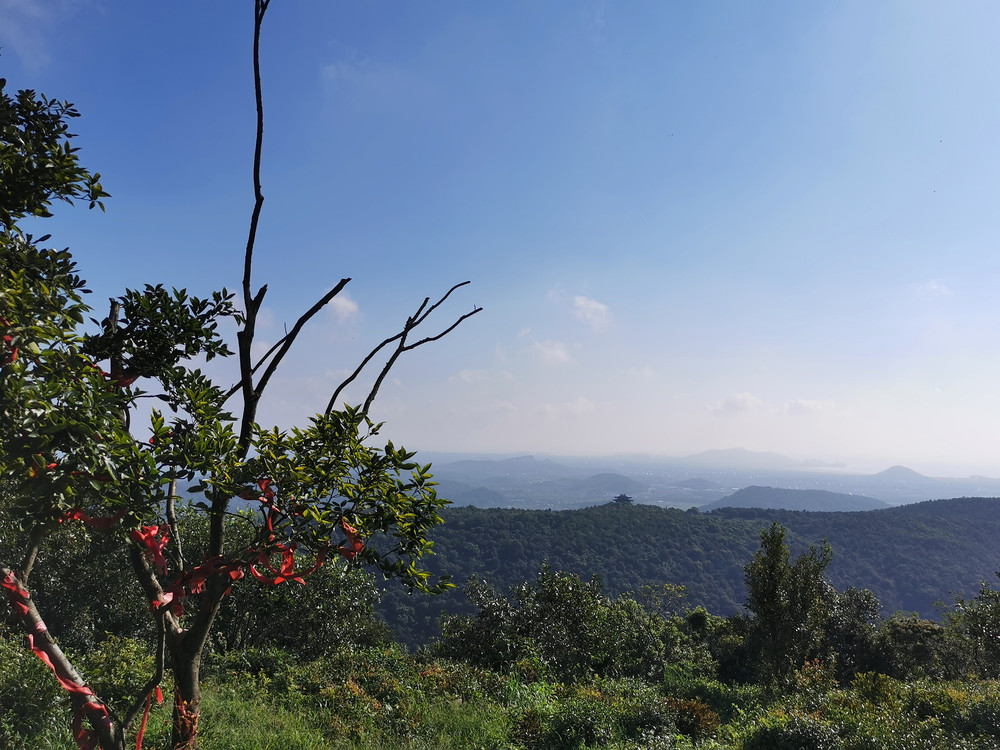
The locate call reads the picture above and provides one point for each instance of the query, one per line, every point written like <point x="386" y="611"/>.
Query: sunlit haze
<point x="691" y="225"/>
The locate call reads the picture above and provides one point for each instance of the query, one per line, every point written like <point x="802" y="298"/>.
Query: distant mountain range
<point x="739" y="458"/>
<point x="701" y="480"/>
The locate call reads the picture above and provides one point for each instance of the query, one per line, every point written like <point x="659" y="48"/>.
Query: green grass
<point x="384" y="699"/>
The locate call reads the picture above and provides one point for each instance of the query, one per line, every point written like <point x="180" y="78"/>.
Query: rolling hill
<point x="911" y="556"/>
<point x="812" y="500"/>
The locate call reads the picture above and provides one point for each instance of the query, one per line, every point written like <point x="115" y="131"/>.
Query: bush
<point x="779" y="730"/>
<point x="694" y="718"/>
<point x="117" y="668"/>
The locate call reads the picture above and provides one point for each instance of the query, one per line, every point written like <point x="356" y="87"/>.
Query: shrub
<point x="694" y="718"/>
<point x="779" y="730"/>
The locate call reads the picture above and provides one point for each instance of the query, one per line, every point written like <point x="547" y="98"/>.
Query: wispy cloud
<point x="343" y="307"/>
<point x="736" y="403"/>
<point x="808" y="406"/>
<point x="26" y="24"/>
<point x="379" y="87"/>
<point x="642" y="373"/>
<point x="581" y="407"/>
<point x="595" y="313"/>
<point x="933" y="289"/>
<point x="469" y="376"/>
<point x="552" y="352"/>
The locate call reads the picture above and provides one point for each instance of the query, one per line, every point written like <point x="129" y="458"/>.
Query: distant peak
<point x="901" y="473"/>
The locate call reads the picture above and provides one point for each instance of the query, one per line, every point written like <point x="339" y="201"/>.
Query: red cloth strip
<point x="154" y="546"/>
<point x="354" y="542"/>
<point x="101" y="524"/>
<point x="145" y="716"/>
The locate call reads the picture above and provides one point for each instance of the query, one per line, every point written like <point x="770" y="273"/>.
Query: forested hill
<point x="910" y="556"/>
<point x="776" y="497"/>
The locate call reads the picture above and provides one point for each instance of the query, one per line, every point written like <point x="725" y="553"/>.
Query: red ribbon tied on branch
<point x="354" y="542"/>
<point x="287" y="570"/>
<point x="150" y="538"/>
<point x="101" y="524"/>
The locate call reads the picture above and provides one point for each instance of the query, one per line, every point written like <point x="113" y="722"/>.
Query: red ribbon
<point x="85" y="739"/>
<point x="145" y="717"/>
<point x="101" y="524"/>
<point x="287" y="570"/>
<point x="11" y="349"/>
<point x="354" y="542"/>
<point x="154" y="546"/>
<point x="193" y="582"/>
<point x="37" y="469"/>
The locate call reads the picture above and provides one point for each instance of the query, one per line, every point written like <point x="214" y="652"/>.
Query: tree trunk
<point x="187" y="700"/>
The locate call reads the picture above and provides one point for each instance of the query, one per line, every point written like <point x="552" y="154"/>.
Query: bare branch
<point x="31" y="554"/>
<point x="291" y="335"/>
<point x="357" y="371"/>
<point x="252" y="302"/>
<point x="171" y="514"/>
<point x="412" y="322"/>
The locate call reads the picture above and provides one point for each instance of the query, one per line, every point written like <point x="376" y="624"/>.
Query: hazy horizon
<point x="692" y="226"/>
<point x="805" y="465"/>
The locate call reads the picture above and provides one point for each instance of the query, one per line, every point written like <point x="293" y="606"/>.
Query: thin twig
<point x="140" y="701"/>
<point x="422" y="313"/>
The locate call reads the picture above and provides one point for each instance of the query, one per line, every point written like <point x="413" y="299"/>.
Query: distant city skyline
<point x="691" y="226"/>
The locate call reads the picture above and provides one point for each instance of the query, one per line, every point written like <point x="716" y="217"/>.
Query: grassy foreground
<point x="377" y="699"/>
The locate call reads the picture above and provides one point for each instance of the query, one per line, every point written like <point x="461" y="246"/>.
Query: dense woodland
<point x="911" y="557"/>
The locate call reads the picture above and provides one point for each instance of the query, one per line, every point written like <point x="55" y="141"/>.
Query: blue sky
<point x="691" y="225"/>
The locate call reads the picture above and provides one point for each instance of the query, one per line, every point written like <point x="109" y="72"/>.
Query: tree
<point x="70" y="396"/>
<point x="790" y="602"/>
<point x="569" y="628"/>
<point x="851" y="632"/>
<point x="977" y="621"/>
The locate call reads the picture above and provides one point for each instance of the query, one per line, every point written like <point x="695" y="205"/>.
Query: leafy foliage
<point x="569" y="629"/>
<point x="37" y="161"/>
<point x="790" y="602"/>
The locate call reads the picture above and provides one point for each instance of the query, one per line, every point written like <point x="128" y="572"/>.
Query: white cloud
<point x="343" y="307"/>
<point x="552" y="352"/>
<point x="736" y="403"/>
<point x="933" y="289"/>
<point x="469" y="376"/>
<point x="379" y="87"/>
<point x="591" y="311"/>
<point x="808" y="406"/>
<point x="581" y="407"/>
<point x="265" y="318"/>
<point x="259" y="348"/>
<point x="26" y="25"/>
